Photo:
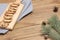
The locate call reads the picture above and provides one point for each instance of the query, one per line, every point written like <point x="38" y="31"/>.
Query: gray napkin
<point x="27" y="9"/>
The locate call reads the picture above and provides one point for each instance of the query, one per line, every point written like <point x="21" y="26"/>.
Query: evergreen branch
<point x="55" y="23"/>
<point x="53" y="20"/>
<point x="45" y="30"/>
<point x="53" y="28"/>
<point x="53" y="34"/>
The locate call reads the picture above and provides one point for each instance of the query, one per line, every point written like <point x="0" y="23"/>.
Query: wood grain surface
<point x="29" y="28"/>
<point x="7" y="1"/>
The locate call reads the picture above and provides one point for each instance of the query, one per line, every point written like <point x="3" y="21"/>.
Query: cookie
<point x="15" y="3"/>
<point x="1" y="24"/>
<point x="14" y="6"/>
<point x="5" y="25"/>
<point x="12" y="10"/>
<point x="7" y="21"/>
<point x="8" y="18"/>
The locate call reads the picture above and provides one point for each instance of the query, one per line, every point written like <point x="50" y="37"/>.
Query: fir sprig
<point x="53" y="28"/>
<point x="53" y="34"/>
<point x="55" y="23"/>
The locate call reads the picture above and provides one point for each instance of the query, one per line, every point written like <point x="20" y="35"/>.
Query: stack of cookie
<point x="8" y="15"/>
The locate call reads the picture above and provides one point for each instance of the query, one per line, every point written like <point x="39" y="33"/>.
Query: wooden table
<point x="29" y="28"/>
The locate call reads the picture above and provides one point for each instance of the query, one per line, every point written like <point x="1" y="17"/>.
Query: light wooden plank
<point x="29" y="27"/>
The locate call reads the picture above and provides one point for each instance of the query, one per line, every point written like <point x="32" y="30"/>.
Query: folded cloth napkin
<point x="27" y="9"/>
